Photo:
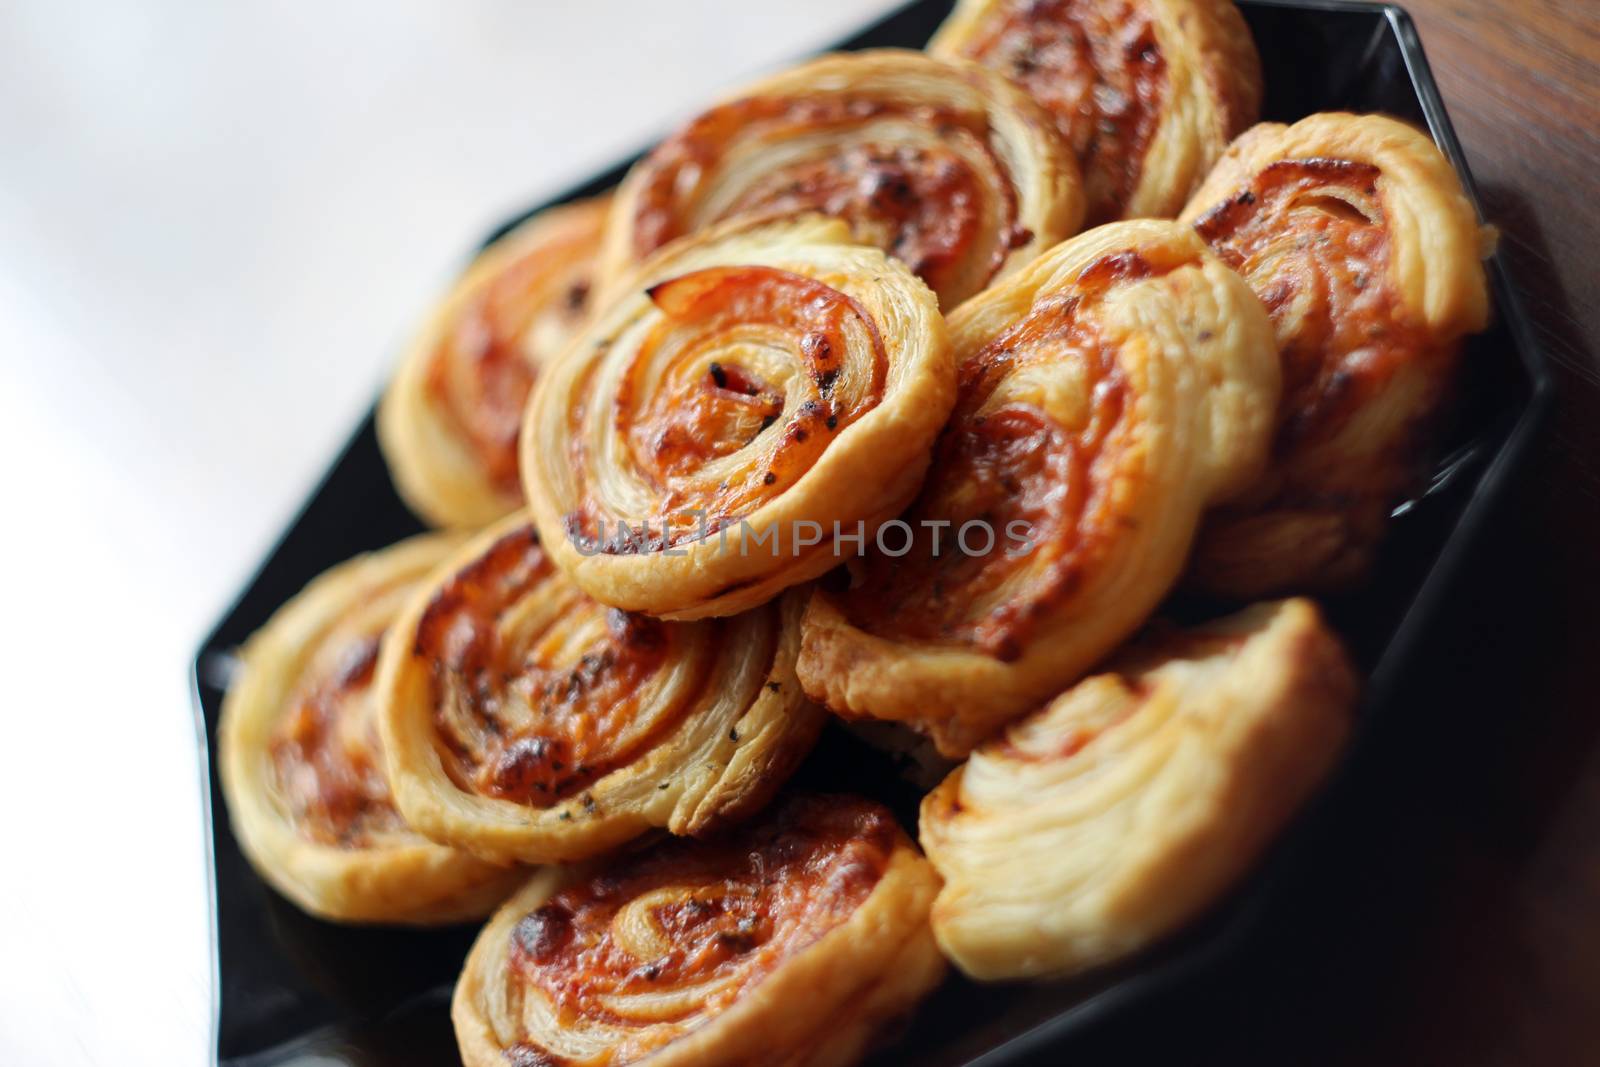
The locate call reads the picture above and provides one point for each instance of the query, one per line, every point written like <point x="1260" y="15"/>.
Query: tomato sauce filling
<point x="1097" y="66"/>
<point x="1310" y="237"/>
<point x="482" y="371"/>
<point x="1012" y="463"/>
<point x="327" y="758"/>
<point x="681" y="407"/>
<point x="716" y="915"/>
<point x="518" y="715"/>
<point x="923" y="203"/>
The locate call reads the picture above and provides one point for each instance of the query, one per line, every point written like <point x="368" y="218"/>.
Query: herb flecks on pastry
<point x="940" y="163"/>
<point x="525" y="721"/>
<point x="1132" y="802"/>
<point x="1147" y="93"/>
<point x="795" y="940"/>
<point x="1356" y="234"/>
<point x="450" y="418"/>
<point x="749" y="394"/>
<point x="1108" y="394"/>
<point x="303" y="767"/>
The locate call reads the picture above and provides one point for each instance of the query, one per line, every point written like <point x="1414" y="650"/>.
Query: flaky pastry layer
<point x="1109" y="393"/>
<point x="302" y="767"/>
<point x="1355" y="232"/>
<point x="1133" y="801"/>
<point x="450" y="417"/>
<point x="1147" y="93"/>
<point x="525" y="721"/>
<point x="748" y="393"/>
<point x="795" y="943"/>
<point x="941" y="163"/>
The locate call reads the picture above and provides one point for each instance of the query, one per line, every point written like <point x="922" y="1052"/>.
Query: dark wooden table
<point x="1461" y="921"/>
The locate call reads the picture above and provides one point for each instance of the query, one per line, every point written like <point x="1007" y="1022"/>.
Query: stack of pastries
<point x="834" y="407"/>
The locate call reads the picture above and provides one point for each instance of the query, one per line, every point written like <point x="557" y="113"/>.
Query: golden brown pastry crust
<point x="939" y="162"/>
<point x="524" y="721"/>
<point x="1134" y="800"/>
<point x="1148" y="93"/>
<point x="1355" y="232"/>
<point x="753" y="387"/>
<point x="301" y="768"/>
<point x="1109" y="393"/>
<point x="793" y="944"/>
<point x="449" y="420"/>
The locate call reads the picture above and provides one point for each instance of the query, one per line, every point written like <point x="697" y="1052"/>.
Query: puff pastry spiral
<point x="791" y="943"/>
<point x="1108" y="394"/>
<point x="302" y="765"/>
<point x="750" y="389"/>
<point x="1148" y="93"/>
<point x="1355" y="232"/>
<point x="449" y="420"/>
<point x="942" y="164"/>
<point x="1130" y="803"/>
<point x="524" y="721"/>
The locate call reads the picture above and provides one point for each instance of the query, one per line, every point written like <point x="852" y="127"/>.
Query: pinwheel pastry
<point x="524" y="721"/>
<point x="302" y="766"/>
<point x="1128" y="806"/>
<point x="449" y="420"/>
<point x="942" y="164"/>
<point x="1147" y="92"/>
<point x="1108" y="393"/>
<point x="793" y="942"/>
<point x="752" y="393"/>
<point x="1354" y="230"/>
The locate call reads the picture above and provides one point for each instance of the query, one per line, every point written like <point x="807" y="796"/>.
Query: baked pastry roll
<point x="1131" y="802"/>
<point x="942" y="164"/>
<point x="524" y="721"/>
<point x="449" y="420"/>
<point x="302" y="765"/>
<point x="1354" y="230"/>
<point x="1147" y="92"/>
<point x="793" y="942"/>
<point x="751" y="394"/>
<point x="1108" y="393"/>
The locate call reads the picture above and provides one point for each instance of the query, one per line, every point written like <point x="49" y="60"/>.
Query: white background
<point x="217" y="224"/>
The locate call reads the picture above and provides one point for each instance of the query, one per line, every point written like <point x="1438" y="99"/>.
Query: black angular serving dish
<point x="294" y="990"/>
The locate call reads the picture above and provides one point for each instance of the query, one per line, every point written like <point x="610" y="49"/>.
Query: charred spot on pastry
<point x="527" y="765"/>
<point x="542" y="933"/>
<point x="525" y="1055"/>
<point x="635" y="631"/>
<point x="816" y="347"/>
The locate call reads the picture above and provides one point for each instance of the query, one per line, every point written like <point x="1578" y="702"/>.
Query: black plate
<point x="291" y="989"/>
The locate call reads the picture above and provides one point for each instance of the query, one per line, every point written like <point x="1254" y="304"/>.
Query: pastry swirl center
<point x="538" y="691"/>
<point x="733" y="394"/>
